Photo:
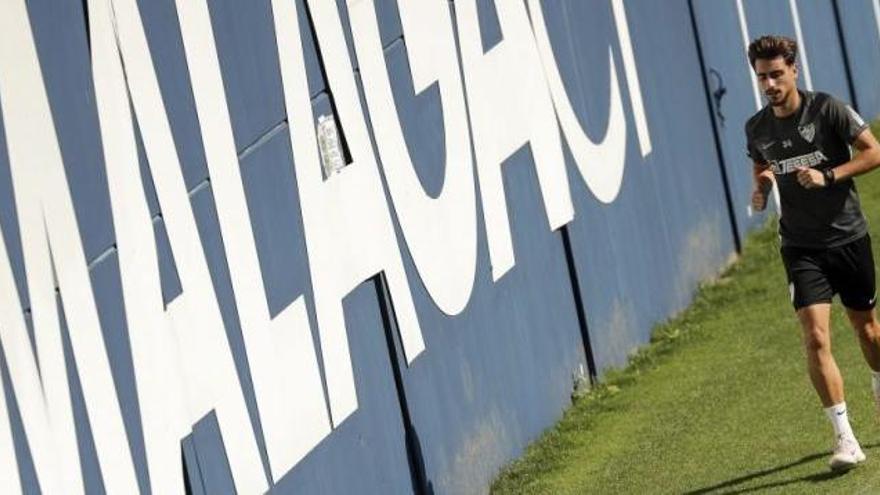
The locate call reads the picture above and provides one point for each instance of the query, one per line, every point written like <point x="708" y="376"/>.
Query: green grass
<point x="719" y="402"/>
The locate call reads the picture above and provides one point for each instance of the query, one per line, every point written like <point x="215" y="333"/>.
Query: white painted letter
<point x="9" y="478"/>
<point x="509" y="107"/>
<point x="441" y="233"/>
<point x="348" y="230"/>
<point x="193" y="318"/>
<point x="155" y="353"/>
<point x="52" y="249"/>
<point x="601" y="165"/>
<point x="281" y="353"/>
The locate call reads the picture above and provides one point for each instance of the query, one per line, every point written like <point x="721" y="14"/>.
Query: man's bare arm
<point x="866" y="160"/>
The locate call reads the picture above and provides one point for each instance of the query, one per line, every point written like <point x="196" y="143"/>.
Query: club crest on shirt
<point x="808" y="132"/>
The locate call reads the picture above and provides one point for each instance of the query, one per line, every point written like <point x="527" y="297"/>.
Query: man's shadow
<point x="824" y="475"/>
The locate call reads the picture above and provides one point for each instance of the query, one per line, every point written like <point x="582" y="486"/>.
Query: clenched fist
<point x="759" y="199"/>
<point x="763" y="185"/>
<point x="810" y="178"/>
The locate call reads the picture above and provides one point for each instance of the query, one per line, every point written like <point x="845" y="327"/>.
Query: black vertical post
<point x="731" y="212"/>
<point x="413" y="448"/>
<point x="579" y="304"/>
<point x="846" y="65"/>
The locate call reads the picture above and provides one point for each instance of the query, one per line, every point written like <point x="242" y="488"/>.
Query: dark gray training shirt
<point x="817" y="135"/>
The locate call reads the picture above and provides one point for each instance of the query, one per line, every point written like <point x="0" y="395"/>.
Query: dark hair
<point x="770" y="47"/>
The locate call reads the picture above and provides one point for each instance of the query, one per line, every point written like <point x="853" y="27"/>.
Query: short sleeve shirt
<point x="817" y="135"/>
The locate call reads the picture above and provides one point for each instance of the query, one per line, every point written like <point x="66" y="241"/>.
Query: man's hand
<point x="810" y="178"/>
<point x="759" y="199"/>
<point x="763" y="180"/>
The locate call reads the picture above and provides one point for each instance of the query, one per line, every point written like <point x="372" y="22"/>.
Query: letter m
<point x="53" y="253"/>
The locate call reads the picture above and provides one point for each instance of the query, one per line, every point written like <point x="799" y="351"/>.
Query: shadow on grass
<point x="824" y="475"/>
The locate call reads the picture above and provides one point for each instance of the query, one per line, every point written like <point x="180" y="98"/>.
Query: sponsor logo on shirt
<point x="789" y="165"/>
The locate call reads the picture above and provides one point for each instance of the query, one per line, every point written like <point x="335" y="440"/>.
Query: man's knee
<point x="816" y="338"/>
<point x="815" y="323"/>
<point x="865" y="324"/>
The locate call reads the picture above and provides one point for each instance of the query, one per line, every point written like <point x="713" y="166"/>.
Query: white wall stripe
<point x="632" y="76"/>
<point x="802" y="48"/>
<point x="744" y="28"/>
<point x="876" y="5"/>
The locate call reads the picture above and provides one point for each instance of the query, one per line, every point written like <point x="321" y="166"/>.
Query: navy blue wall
<point x="861" y="35"/>
<point x="638" y="257"/>
<point x="497" y="374"/>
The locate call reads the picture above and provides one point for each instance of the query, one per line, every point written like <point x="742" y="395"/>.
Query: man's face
<point x="777" y="79"/>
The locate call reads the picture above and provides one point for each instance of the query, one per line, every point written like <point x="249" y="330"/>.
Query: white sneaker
<point x="847" y="454"/>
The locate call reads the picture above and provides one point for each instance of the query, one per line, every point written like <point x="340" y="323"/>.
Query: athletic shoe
<point x="847" y="454"/>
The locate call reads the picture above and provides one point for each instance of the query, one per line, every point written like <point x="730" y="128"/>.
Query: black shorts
<point x="815" y="275"/>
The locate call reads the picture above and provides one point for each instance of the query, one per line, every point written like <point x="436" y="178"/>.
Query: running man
<point x="801" y="142"/>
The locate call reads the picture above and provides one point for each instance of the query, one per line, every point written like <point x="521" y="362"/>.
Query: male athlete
<point x="801" y="142"/>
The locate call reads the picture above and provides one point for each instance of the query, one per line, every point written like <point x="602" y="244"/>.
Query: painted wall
<point x="190" y="302"/>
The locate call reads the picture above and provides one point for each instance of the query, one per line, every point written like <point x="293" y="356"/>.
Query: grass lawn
<point x="719" y="402"/>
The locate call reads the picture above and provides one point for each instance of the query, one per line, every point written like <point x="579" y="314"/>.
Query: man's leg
<point x="815" y="325"/>
<point x="855" y="281"/>
<point x="868" y="330"/>
<point x="811" y="293"/>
